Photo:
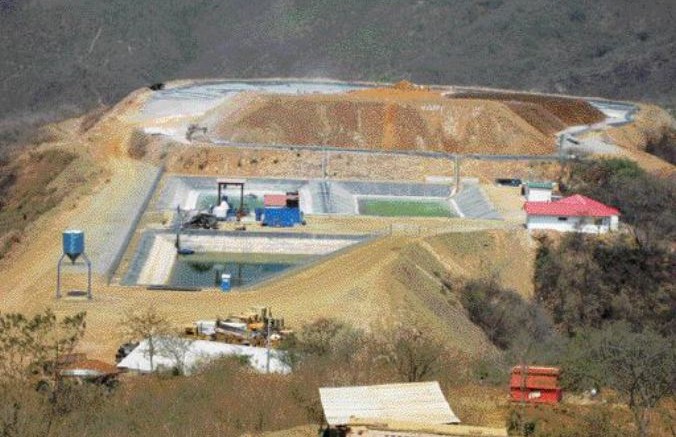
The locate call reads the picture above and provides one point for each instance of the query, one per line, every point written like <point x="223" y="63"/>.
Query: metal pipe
<point x="58" y="277"/>
<point x="89" y="276"/>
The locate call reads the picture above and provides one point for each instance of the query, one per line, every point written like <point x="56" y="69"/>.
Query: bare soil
<point x="570" y="111"/>
<point x="384" y="119"/>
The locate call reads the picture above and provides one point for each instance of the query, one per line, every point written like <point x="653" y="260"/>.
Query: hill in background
<point x="63" y="57"/>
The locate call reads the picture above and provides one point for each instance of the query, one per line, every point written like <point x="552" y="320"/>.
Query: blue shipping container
<point x="281" y="217"/>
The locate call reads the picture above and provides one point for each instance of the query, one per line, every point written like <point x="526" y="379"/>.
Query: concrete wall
<point x="272" y="244"/>
<point x="572" y="224"/>
<point x="538" y="194"/>
<point x="160" y="261"/>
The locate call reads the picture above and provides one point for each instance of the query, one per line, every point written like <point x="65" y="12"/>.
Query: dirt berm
<point x="387" y="119"/>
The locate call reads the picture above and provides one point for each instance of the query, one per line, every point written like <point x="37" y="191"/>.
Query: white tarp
<point x="419" y="402"/>
<point x="197" y="352"/>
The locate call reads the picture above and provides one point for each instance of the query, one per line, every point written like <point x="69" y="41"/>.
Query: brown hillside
<point x="571" y="111"/>
<point x="537" y="116"/>
<point x="386" y="119"/>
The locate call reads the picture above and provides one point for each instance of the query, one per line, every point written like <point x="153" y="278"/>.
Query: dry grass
<point x="505" y="255"/>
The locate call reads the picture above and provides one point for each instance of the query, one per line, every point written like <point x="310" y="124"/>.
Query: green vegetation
<point x="612" y="299"/>
<point x="639" y="365"/>
<point x="646" y="202"/>
<point x="404" y="208"/>
<point x="586" y="283"/>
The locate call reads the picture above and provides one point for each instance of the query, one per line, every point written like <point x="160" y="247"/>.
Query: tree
<point x="35" y="346"/>
<point x="147" y="325"/>
<point x="645" y="201"/>
<point x="504" y="316"/>
<point x="413" y="354"/>
<point x="31" y="350"/>
<point x="326" y="338"/>
<point x="588" y="282"/>
<point x="176" y="349"/>
<point x="641" y="366"/>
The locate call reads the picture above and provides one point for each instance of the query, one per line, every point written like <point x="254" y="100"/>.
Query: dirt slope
<point x="506" y="255"/>
<point x="538" y="117"/>
<point x="385" y="118"/>
<point x="570" y="111"/>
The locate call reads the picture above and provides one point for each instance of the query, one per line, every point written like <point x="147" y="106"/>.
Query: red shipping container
<point x="541" y="385"/>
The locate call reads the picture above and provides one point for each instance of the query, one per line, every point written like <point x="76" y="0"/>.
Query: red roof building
<point x="535" y="384"/>
<point x="575" y="213"/>
<point x="573" y="206"/>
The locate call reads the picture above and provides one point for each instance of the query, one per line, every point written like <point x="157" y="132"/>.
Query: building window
<point x="563" y="219"/>
<point x="598" y="221"/>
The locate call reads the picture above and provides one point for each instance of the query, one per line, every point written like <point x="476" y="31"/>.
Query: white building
<point x="538" y="191"/>
<point x="193" y="353"/>
<point x="572" y="214"/>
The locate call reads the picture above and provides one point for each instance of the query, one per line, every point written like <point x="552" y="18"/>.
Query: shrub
<point x="138" y="145"/>
<point x="639" y="365"/>
<point x="503" y="315"/>
<point x="646" y="202"/>
<point x="585" y="283"/>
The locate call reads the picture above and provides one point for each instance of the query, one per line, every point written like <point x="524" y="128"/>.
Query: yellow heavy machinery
<point x="251" y="328"/>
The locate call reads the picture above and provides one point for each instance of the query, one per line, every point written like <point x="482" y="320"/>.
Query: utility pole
<point x="562" y="139"/>
<point x="457" y="172"/>
<point x="325" y="163"/>
<point x="267" y="345"/>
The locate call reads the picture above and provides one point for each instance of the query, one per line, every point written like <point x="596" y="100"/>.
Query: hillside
<point x="60" y="58"/>
<point x="384" y="119"/>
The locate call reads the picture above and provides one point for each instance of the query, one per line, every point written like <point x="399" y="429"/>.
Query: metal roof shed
<point x="420" y="402"/>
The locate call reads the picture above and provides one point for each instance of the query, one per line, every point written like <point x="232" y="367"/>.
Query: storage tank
<point x="73" y="244"/>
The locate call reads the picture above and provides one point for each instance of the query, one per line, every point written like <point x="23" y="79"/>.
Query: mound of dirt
<point x="381" y="118"/>
<point x="538" y="117"/>
<point x="569" y="110"/>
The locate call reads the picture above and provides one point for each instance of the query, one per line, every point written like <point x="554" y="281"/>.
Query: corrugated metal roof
<point x="573" y="206"/>
<point x="420" y="402"/>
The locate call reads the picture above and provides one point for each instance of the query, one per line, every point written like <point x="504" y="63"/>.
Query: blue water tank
<point x="73" y="243"/>
<point x="225" y="282"/>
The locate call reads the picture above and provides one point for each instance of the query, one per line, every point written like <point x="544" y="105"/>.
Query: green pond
<point x="204" y="270"/>
<point x="404" y="208"/>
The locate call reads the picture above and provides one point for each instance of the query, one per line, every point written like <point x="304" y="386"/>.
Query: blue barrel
<point x="73" y="243"/>
<point x="259" y="213"/>
<point x="225" y="282"/>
